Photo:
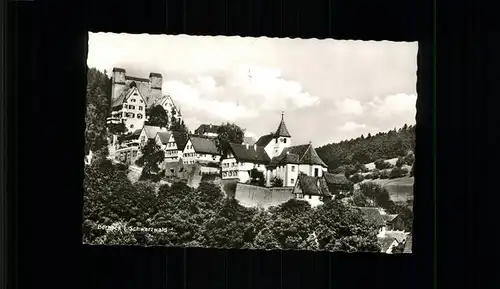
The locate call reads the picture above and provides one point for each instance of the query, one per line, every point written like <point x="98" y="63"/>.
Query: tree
<point x="382" y="165"/>
<point x="158" y="117"/>
<point x="357" y="178"/>
<point x="152" y="156"/>
<point x="412" y="170"/>
<point x="398" y="172"/>
<point x="98" y="92"/>
<point x="400" y="162"/>
<point x="276" y="182"/>
<point x="228" y="133"/>
<point x="376" y="193"/>
<point x="117" y="128"/>
<point x="257" y="177"/>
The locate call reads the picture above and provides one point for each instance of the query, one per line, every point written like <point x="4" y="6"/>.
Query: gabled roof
<point x="180" y="138"/>
<point x="385" y="243"/>
<point x="390" y="218"/>
<point x="338" y="179"/>
<point x="282" y="131"/>
<point x="399" y="236"/>
<point x="301" y="154"/>
<point x="314" y="186"/>
<point x="204" y="145"/>
<point x="151" y="131"/>
<point x="125" y="95"/>
<point x="251" y="155"/>
<point x="264" y="140"/>
<point x="164" y="136"/>
<point x="372" y="215"/>
<point x="162" y="100"/>
<point x="248" y="140"/>
<point x="206" y="128"/>
<point x="133" y="135"/>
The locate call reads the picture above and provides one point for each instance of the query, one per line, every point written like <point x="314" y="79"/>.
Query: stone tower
<point x="156" y="82"/>
<point x="117" y="83"/>
<point x="282" y="138"/>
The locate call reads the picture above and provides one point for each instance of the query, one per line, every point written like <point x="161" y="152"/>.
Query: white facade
<point x="172" y="152"/>
<point x="312" y="200"/>
<point x="288" y="173"/>
<point x="232" y="169"/>
<point x="277" y="145"/>
<point x="168" y="105"/>
<point x="190" y="156"/>
<point x="132" y="112"/>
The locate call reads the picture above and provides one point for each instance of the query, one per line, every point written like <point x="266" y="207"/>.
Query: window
<point x="140" y="107"/>
<point x="316" y="172"/>
<point x="276" y="141"/>
<point x="309" y="197"/>
<point x="132" y="115"/>
<point x="131" y="106"/>
<point x="135" y="93"/>
<point x="131" y="126"/>
<point x="284" y="140"/>
<point x="142" y="101"/>
<point x="171" y="171"/>
<point x="224" y="174"/>
<point x="300" y="196"/>
<point x="125" y="106"/>
<point x="292" y="181"/>
<point x="133" y="99"/>
<point x="293" y="168"/>
<point x="139" y="116"/>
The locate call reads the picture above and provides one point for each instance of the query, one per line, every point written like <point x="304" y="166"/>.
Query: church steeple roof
<point x="282" y="131"/>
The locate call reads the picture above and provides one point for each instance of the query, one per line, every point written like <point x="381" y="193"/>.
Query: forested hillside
<point x="366" y="149"/>
<point x="98" y="104"/>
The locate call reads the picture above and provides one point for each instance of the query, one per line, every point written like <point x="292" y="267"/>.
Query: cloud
<point x="395" y="105"/>
<point x="351" y="126"/>
<point x="242" y="92"/>
<point x="349" y="106"/>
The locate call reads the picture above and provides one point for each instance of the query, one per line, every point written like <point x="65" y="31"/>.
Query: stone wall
<point x="254" y="196"/>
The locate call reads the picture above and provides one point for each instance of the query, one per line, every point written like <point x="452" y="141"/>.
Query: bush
<point x="360" y="168"/>
<point x="276" y="182"/>
<point x="400" y="162"/>
<point x="384" y="174"/>
<point x="410" y="159"/>
<point x="398" y="172"/>
<point x="412" y="170"/>
<point x="357" y="178"/>
<point x="382" y="165"/>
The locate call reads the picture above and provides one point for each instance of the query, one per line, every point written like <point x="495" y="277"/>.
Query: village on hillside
<point x="147" y="138"/>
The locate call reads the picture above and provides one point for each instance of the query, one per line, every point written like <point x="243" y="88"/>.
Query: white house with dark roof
<point x="314" y="190"/>
<point x="149" y="132"/>
<point x="129" y="108"/>
<point x="241" y="159"/>
<point x="150" y="88"/>
<point x="175" y="146"/>
<point x="208" y="130"/>
<point x="200" y="150"/>
<point x="169" y="106"/>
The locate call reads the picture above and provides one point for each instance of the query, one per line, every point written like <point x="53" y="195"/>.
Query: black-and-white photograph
<point x="250" y="143"/>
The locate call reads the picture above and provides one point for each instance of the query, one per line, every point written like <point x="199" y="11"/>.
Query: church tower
<point x="282" y="138"/>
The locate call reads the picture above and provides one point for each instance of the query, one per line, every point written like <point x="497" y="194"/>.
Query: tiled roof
<point x="338" y="179"/>
<point x="249" y="140"/>
<point x="206" y="128"/>
<point x="151" y="131"/>
<point x="397" y="235"/>
<point x="408" y="244"/>
<point x="155" y="74"/>
<point x="204" y="145"/>
<point x="244" y="154"/>
<point x="140" y="79"/>
<point x="301" y="154"/>
<point x="133" y="135"/>
<point x="118" y="69"/>
<point x="282" y="130"/>
<point x="389" y="218"/>
<point x="385" y="243"/>
<point x="315" y="186"/>
<point x="164" y="136"/>
<point x="372" y="215"/>
<point x="119" y="100"/>
<point x="180" y="139"/>
<point x="264" y="140"/>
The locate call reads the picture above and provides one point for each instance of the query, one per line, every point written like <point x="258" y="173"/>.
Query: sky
<point x="329" y="90"/>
